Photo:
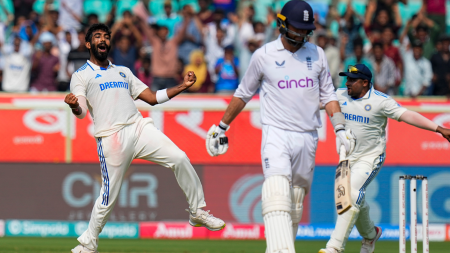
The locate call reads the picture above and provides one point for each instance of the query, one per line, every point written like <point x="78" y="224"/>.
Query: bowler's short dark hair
<point x="96" y="27"/>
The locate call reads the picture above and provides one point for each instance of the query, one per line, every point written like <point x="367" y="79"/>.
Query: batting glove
<point x="346" y="139"/>
<point x="216" y="141"/>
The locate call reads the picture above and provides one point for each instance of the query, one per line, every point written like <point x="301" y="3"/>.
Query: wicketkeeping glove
<point x="346" y="139"/>
<point x="216" y="141"/>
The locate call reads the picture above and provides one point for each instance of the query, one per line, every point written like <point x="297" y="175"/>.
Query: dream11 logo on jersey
<point x="289" y="84"/>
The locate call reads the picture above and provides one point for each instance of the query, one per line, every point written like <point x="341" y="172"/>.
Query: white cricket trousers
<point x="140" y="140"/>
<point x="290" y="154"/>
<point x="362" y="173"/>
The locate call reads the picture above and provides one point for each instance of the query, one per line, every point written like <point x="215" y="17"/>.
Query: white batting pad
<point x="276" y="207"/>
<point x="297" y="195"/>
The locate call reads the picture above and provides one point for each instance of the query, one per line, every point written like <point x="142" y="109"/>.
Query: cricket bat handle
<point x="342" y="152"/>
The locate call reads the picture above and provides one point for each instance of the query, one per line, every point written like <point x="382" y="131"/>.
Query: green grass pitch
<point x="44" y="245"/>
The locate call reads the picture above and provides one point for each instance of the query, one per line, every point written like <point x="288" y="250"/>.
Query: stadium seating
<point x="156" y="7"/>
<point x="38" y="6"/>
<point x="124" y="5"/>
<point x="8" y="5"/>
<point x="99" y="7"/>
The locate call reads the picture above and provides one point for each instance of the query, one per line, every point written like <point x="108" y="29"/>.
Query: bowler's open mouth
<point x="102" y="48"/>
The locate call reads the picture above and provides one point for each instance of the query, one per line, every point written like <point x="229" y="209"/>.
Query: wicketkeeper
<point x="366" y="112"/>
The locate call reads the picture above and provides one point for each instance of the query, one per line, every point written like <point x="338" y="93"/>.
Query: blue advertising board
<point x="67" y="229"/>
<point x="382" y="194"/>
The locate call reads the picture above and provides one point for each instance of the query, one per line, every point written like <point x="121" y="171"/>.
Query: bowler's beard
<point x="101" y="56"/>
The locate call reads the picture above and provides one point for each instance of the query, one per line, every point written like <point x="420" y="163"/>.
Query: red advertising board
<point x="172" y="230"/>
<point x="38" y="135"/>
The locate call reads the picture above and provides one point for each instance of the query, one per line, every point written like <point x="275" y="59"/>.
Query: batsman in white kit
<point x="293" y="78"/>
<point x="122" y="134"/>
<point x="366" y="111"/>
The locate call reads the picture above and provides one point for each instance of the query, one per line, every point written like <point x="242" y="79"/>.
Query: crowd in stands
<point x="405" y="43"/>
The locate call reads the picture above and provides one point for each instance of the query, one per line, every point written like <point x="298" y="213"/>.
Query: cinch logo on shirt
<point x="110" y="85"/>
<point x="302" y="83"/>
<point x="356" y="118"/>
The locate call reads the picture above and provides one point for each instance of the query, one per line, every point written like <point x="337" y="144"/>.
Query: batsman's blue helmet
<point x="299" y="14"/>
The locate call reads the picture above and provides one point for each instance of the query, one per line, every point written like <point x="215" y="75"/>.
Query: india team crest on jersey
<point x="368" y="107"/>
<point x="122" y="74"/>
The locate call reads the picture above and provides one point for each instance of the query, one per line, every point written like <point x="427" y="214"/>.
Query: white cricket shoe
<point x="203" y="219"/>
<point x="81" y="249"/>
<point x="368" y="246"/>
<point x="328" y="250"/>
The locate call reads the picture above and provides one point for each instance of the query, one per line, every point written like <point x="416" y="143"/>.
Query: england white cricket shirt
<point x="367" y="118"/>
<point x="110" y="95"/>
<point x="292" y="85"/>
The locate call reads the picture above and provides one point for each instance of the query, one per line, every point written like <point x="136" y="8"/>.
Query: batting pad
<point x="276" y="207"/>
<point x="297" y="195"/>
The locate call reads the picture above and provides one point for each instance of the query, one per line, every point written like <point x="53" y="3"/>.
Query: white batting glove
<point x="216" y="141"/>
<point x="346" y="139"/>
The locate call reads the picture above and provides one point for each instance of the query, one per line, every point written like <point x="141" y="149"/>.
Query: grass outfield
<point x="43" y="245"/>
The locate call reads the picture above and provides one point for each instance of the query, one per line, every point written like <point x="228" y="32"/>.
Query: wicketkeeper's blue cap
<point x="358" y="71"/>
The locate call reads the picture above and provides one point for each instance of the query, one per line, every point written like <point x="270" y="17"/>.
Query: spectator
<point x="425" y="30"/>
<point x="220" y="22"/>
<point x="214" y="50"/>
<point x="386" y="14"/>
<point x="91" y="19"/>
<point x="357" y="57"/>
<point x="350" y="24"/>
<point x="205" y="14"/>
<point x="77" y="57"/>
<point x="22" y="8"/>
<point x="440" y="63"/>
<point x="333" y="56"/>
<point x="198" y="65"/>
<point x="65" y="46"/>
<point x="125" y="54"/>
<point x="227" y="69"/>
<point x="142" y="68"/>
<point x="45" y="65"/>
<point x="51" y="17"/>
<point x="226" y="5"/>
<point x="125" y="27"/>
<point x="165" y="54"/>
<point x="391" y="51"/>
<point x="71" y="13"/>
<point x="418" y="72"/>
<point x="17" y="65"/>
<point x="28" y="30"/>
<point x="193" y="38"/>
<point x="169" y="19"/>
<point x="384" y="74"/>
<point x="436" y="11"/>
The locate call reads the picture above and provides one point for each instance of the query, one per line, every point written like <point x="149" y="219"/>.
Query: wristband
<point x="223" y="126"/>
<point x="161" y="96"/>
<point x="338" y="121"/>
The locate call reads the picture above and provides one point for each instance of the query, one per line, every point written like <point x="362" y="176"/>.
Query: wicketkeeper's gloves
<point x="216" y="141"/>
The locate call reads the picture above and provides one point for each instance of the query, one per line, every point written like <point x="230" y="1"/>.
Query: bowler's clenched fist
<point x="72" y="101"/>
<point x="189" y="79"/>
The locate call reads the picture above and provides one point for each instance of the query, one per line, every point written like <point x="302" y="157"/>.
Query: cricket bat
<point x="342" y="196"/>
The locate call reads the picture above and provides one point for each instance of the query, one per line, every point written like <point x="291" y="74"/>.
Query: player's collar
<point x="367" y="95"/>
<point x="96" y="67"/>
<point x="279" y="44"/>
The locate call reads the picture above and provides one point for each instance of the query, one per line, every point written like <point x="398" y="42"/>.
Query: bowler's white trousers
<point x="362" y="173"/>
<point x="140" y="140"/>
